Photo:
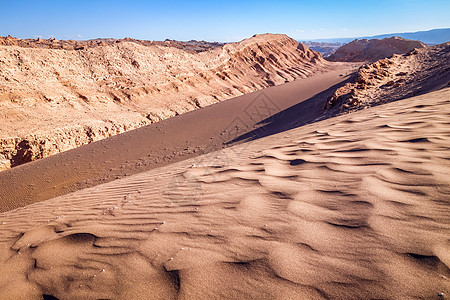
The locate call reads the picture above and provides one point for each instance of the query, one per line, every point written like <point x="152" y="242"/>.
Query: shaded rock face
<point x="58" y="99"/>
<point x="374" y="49"/>
<point x="400" y="76"/>
<point x="23" y="154"/>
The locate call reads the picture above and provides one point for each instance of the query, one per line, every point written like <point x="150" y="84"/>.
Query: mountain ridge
<point x="433" y="37"/>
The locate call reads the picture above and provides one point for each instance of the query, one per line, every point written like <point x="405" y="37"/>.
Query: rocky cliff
<point x="374" y="49"/>
<point x="54" y="98"/>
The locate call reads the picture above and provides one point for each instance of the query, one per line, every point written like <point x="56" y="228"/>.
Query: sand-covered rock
<point x="399" y="76"/>
<point x="56" y="99"/>
<point x="374" y="49"/>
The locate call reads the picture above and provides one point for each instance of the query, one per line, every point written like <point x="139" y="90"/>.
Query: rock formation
<point x="400" y="76"/>
<point x="53" y="99"/>
<point x="372" y="50"/>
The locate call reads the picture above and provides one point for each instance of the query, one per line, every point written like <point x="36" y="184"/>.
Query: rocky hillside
<point x="52" y="100"/>
<point x="400" y="76"/>
<point x="374" y="49"/>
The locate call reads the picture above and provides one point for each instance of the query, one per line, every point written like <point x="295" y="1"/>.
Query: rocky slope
<point x="400" y="76"/>
<point x="52" y="100"/>
<point x="374" y="49"/>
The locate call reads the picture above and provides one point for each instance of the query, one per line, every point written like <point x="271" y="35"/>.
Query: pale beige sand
<point x="348" y="208"/>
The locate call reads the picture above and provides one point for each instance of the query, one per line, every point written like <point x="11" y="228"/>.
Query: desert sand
<point x="352" y="207"/>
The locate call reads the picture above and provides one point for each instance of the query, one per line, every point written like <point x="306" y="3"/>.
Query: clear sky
<point x="218" y="20"/>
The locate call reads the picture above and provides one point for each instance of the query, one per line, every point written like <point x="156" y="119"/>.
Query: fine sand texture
<point x="190" y="134"/>
<point x="353" y="207"/>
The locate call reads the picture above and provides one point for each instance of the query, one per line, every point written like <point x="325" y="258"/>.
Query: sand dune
<point x="351" y="207"/>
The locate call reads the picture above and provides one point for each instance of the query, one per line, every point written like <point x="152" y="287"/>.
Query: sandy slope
<point x="190" y="134"/>
<point x="348" y="208"/>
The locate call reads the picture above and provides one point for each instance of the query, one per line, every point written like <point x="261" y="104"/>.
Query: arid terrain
<point x="250" y="170"/>
<point x="52" y="100"/>
<point x="190" y="134"/>
<point x="348" y="208"/>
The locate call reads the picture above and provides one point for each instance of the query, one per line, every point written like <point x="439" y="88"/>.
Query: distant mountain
<point x="430" y="37"/>
<point x="374" y="49"/>
<point x="326" y="49"/>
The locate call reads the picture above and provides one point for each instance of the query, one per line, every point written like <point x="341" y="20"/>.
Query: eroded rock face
<point x="49" y="97"/>
<point x="374" y="49"/>
<point x="400" y="76"/>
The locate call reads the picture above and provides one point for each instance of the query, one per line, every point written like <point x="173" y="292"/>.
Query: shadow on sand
<point x="298" y="115"/>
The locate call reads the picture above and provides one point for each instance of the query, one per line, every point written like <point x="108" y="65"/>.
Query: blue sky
<point x="218" y="20"/>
